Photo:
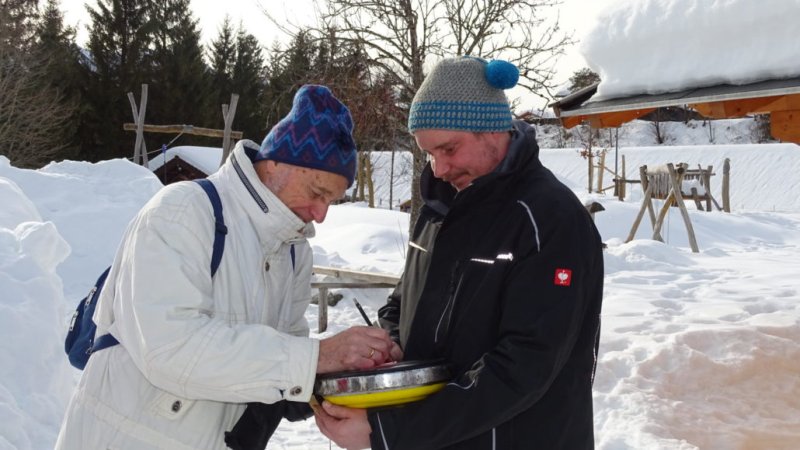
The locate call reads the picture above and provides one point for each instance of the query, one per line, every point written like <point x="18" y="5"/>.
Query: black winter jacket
<point x="504" y="280"/>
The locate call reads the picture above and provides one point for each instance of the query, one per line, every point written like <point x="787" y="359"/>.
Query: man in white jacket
<point x="195" y="350"/>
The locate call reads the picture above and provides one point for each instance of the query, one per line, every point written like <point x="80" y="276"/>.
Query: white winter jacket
<point x="194" y="351"/>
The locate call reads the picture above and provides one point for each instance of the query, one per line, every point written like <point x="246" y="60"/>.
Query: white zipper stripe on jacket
<point x="247" y="185"/>
<point x="383" y="436"/>
<point x="494" y="438"/>
<point x="450" y="304"/>
<point x="535" y="227"/>
<point x="594" y="352"/>
<point x="469" y="386"/>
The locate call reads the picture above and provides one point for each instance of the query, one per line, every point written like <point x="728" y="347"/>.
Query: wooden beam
<point x="782" y="103"/>
<point x="615" y="119"/>
<point x="571" y="122"/>
<point x="370" y="277"/>
<point x="732" y="108"/>
<point x="185" y="129"/>
<point x="785" y="125"/>
<point x="605" y="120"/>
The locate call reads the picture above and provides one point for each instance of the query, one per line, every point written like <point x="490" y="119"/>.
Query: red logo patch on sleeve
<point x="563" y="277"/>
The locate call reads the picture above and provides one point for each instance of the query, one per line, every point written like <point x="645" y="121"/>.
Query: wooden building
<point x="779" y="98"/>
<point x="176" y="169"/>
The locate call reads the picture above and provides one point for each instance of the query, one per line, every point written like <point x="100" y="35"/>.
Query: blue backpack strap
<point x="107" y="340"/>
<point x="220" y="230"/>
<point x="104" y="341"/>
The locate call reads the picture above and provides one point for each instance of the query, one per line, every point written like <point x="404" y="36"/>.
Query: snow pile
<point x="656" y="46"/>
<point x="36" y="380"/>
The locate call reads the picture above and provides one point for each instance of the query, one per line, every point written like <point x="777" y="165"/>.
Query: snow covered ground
<point x="697" y="350"/>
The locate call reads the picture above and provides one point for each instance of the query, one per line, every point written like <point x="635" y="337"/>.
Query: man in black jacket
<point x="504" y="280"/>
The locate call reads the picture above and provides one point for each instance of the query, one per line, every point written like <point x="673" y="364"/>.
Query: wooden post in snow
<point x="139" y="150"/>
<point x="601" y="167"/>
<point x="623" y="188"/>
<point x="646" y="205"/>
<point x="726" y="187"/>
<point x="675" y="196"/>
<point x="227" y="117"/>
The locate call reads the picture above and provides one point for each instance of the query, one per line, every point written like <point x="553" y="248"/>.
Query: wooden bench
<point x="336" y="278"/>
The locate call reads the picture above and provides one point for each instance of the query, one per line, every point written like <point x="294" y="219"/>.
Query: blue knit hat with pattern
<point x="317" y="133"/>
<point x="464" y="94"/>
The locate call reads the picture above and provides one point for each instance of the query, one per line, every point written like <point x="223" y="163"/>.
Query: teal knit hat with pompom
<point x="464" y="94"/>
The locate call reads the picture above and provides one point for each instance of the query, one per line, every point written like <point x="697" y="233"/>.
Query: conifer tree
<point x="583" y="78"/>
<point x="61" y="72"/>
<point x="179" y="82"/>
<point x="119" y="40"/>
<point x="17" y="23"/>
<point x="287" y="70"/>
<point x="247" y="81"/>
<point x="222" y="57"/>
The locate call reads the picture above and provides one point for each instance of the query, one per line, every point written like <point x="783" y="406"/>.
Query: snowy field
<point x="697" y="350"/>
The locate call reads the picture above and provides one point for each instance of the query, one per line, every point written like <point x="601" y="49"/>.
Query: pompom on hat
<point x="317" y="134"/>
<point x="464" y="94"/>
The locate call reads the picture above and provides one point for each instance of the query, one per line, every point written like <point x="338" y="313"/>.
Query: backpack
<point x="80" y="342"/>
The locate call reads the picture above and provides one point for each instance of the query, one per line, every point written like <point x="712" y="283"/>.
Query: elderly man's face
<point x="307" y="192"/>
<point x="459" y="157"/>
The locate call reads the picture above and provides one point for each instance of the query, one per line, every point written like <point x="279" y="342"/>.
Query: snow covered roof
<point x="723" y="59"/>
<point x="658" y="46"/>
<point x="207" y="159"/>
<point x="583" y="103"/>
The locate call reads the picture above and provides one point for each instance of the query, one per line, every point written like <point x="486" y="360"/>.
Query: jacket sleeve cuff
<point x="302" y="366"/>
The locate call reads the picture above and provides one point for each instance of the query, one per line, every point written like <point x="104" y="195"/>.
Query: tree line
<point x="60" y="100"/>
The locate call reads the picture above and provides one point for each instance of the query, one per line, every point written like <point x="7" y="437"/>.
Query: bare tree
<point x="32" y="114"/>
<point x="400" y="36"/>
<point x="762" y="128"/>
<point x="658" y="127"/>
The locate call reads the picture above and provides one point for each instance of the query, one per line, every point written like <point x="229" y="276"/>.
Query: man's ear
<point x="264" y="169"/>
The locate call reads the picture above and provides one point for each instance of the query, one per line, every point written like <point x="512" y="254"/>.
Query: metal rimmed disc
<point x="402" y="375"/>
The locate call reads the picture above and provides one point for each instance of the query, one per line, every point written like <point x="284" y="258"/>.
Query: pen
<point x="363" y="314"/>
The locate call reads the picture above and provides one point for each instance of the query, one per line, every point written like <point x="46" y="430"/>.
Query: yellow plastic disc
<point x="385" y="398"/>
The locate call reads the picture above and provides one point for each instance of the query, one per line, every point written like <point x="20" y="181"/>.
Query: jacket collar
<point x="274" y="222"/>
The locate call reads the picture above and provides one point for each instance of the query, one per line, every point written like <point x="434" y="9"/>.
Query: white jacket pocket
<point x="170" y="406"/>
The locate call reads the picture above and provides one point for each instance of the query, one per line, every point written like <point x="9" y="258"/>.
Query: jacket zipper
<point x="455" y="286"/>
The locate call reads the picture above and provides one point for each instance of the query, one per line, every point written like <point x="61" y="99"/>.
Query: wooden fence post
<point x="227" y="117"/>
<point x="726" y="193"/>
<point x="601" y="167"/>
<point x="139" y="150"/>
<point x="322" y="322"/>
<point x="707" y="185"/>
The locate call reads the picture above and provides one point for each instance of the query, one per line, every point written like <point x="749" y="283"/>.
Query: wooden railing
<point x="336" y="278"/>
